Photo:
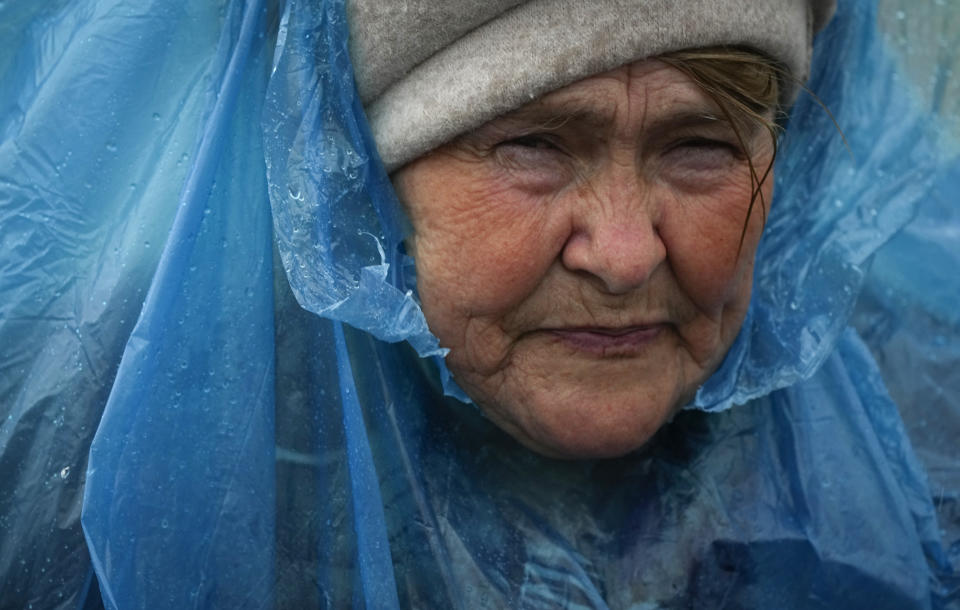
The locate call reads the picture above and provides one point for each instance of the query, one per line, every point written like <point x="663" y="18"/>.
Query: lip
<point x="609" y="341"/>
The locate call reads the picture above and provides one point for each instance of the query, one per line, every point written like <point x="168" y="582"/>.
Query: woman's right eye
<point x="527" y="150"/>
<point x="536" y="160"/>
<point x="531" y="141"/>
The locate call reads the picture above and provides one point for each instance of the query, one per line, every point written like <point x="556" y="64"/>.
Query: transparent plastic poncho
<point x="213" y="359"/>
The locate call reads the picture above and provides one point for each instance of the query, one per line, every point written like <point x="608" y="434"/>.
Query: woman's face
<point x="579" y="256"/>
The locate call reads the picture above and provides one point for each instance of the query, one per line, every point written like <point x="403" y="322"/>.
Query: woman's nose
<point x="618" y="245"/>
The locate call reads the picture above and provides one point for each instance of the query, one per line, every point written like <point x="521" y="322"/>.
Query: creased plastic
<point x="907" y="312"/>
<point x="101" y="104"/>
<point x="180" y="184"/>
<point x="908" y="315"/>
<point x="198" y="373"/>
<point x="338" y="222"/>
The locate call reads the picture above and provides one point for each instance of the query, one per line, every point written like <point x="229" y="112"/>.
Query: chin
<point x="585" y="430"/>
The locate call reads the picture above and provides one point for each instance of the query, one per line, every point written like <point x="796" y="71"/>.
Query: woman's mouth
<point x="609" y="342"/>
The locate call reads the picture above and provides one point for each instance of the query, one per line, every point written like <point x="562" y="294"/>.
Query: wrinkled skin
<point x="580" y="259"/>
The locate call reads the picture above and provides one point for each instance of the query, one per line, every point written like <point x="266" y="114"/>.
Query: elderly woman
<point x="565" y="346"/>
<point x="586" y="257"/>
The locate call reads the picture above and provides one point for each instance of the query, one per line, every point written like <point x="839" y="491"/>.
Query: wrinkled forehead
<point x="428" y="71"/>
<point x="643" y="95"/>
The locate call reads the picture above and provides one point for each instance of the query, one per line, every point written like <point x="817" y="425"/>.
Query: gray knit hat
<point x="428" y="70"/>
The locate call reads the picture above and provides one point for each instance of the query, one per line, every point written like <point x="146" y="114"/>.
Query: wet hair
<point x="746" y="86"/>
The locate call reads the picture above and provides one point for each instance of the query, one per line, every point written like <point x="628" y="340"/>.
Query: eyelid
<point x="704" y="141"/>
<point x="707" y="142"/>
<point x="537" y="161"/>
<point x="532" y="141"/>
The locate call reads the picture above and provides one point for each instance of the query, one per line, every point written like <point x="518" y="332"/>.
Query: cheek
<point x="480" y="250"/>
<point x="702" y="238"/>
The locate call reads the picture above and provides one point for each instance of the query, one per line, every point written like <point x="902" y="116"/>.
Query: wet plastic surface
<point x="101" y="104"/>
<point x="249" y="453"/>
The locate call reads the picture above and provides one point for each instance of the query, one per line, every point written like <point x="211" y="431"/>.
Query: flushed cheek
<point x="492" y="254"/>
<point x="703" y="238"/>
<point x="713" y="271"/>
<point x="710" y="277"/>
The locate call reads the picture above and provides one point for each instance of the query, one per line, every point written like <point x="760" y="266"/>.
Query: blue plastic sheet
<point x="198" y="372"/>
<point x="203" y="284"/>
<point x="908" y="315"/>
<point x="101" y="109"/>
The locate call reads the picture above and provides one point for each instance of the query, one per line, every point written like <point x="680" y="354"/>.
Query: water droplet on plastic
<point x="112" y="146"/>
<point x="156" y="116"/>
<point x="65" y="472"/>
<point x="164" y="524"/>
<point x="146" y="244"/>
<point x="794" y="306"/>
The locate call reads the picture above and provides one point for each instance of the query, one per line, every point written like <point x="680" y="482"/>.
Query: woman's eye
<point x="530" y="149"/>
<point x="704" y="154"/>
<point x="534" y="142"/>
<point x="530" y="152"/>
<point x="535" y="161"/>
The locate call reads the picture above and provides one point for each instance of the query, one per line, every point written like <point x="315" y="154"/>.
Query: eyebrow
<point x="555" y="116"/>
<point x="552" y="116"/>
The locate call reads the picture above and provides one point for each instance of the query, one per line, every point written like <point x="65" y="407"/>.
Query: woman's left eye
<point x="704" y="153"/>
